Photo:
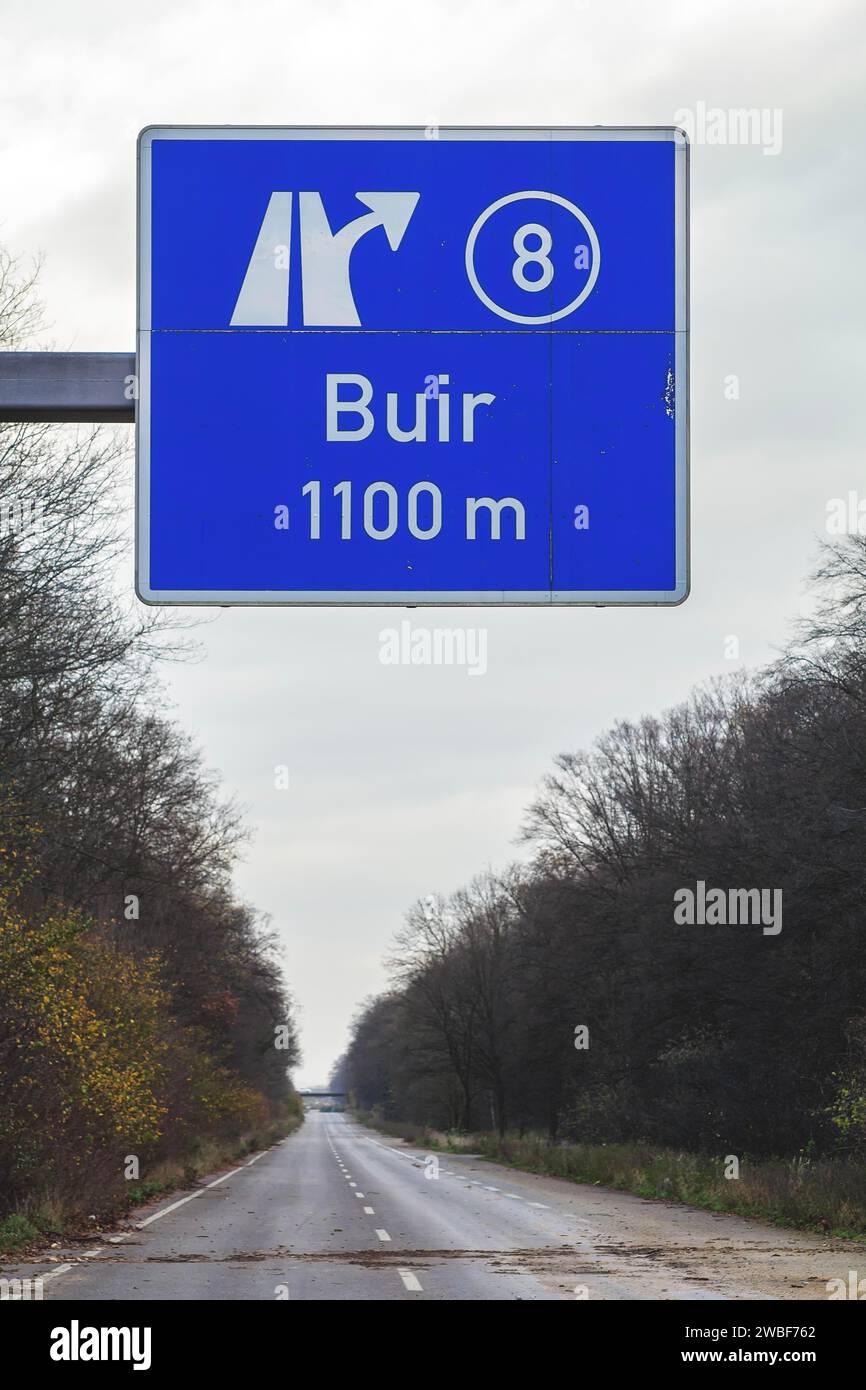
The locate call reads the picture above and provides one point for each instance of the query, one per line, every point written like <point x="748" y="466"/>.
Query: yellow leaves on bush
<point x="80" y="1030"/>
<point x="92" y="1058"/>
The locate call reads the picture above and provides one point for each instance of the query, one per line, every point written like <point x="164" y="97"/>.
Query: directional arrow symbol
<point x="263" y="300"/>
<point x="325" y="255"/>
<point x="393" y="211"/>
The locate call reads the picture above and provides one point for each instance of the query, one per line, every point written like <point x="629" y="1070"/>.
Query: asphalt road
<point x="337" y="1212"/>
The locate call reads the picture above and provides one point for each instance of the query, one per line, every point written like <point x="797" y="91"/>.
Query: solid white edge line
<point x="413" y="1158"/>
<point x="173" y="1206"/>
<point x="216" y="1182"/>
<point x="140" y="1225"/>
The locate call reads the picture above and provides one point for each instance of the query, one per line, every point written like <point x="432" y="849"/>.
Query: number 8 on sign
<point x="533" y="254"/>
<point x="540" y="256"/>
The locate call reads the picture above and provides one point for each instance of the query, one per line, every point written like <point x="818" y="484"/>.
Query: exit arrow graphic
<point x="263" y="300"/>
<point x="325" y="255"/>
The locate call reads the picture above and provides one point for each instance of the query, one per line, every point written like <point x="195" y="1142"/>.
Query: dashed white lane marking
<point x="410" y="1280"/>
<point x="54" y="1273"/>
<point x="470" y="1182"/>
<point x="89" y="1254"/>
<point x="369" y="1211"/>
<point x="446" y="1172"/>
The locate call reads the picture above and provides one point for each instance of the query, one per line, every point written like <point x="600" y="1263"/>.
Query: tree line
<point x="141" y="1006"/>
<point x="563" y="996"/>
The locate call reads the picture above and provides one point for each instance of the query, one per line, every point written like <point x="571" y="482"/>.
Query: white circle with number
<point x="537" y="256"/>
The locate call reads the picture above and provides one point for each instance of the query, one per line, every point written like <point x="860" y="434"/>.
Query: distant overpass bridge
<point x="322" y="1095"/>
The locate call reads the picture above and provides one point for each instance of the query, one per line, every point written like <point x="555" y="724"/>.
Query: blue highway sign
<point x="400" y="366"/>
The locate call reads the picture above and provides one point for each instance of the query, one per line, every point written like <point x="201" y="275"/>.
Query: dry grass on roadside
<point x="827" y="1195"/>
<point x="52" y="1215"/>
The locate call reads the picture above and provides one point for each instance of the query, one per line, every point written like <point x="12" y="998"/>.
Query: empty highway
<point x="339" y="1212"/>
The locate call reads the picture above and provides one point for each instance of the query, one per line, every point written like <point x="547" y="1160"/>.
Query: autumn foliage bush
<point x="94" y="1065"/>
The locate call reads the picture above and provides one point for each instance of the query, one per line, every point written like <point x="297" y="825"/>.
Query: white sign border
<point x="447" y="598"/>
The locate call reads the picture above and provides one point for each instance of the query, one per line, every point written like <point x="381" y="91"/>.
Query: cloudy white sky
<point x="406" y="781"/>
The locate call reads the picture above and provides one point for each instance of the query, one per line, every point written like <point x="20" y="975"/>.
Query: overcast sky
<point x="406" y="781"/>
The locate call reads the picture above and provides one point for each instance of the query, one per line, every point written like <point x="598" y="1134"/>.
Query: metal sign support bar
<point x="67" y="387"/>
